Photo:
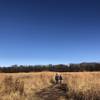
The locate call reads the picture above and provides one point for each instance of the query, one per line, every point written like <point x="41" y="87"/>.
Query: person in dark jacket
<point x="60" y="78"/>
<point x="57" y="78"/>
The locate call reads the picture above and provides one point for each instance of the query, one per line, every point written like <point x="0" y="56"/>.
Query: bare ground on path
<point x="54" y="92"/>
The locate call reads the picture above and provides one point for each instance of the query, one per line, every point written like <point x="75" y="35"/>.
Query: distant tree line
<point x="55" y="68"/>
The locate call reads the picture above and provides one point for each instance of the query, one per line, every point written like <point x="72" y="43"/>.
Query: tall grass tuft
<point x="13" y="85"/>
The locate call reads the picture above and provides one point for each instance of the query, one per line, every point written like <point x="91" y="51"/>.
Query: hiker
<point x="60" y="78"/>
<point x="57" y="78"/>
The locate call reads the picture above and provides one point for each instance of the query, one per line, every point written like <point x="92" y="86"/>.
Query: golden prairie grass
<point x="24" y="86"/>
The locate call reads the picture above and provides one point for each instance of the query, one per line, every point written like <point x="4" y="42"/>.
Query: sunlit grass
<point x="80" y="85"/>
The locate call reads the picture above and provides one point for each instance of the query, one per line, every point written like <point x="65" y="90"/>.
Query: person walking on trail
<point x="60" y="78"/>
<point x="57" y="78"/>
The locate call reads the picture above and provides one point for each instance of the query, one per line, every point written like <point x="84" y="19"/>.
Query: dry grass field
<point x="41" y="86"/>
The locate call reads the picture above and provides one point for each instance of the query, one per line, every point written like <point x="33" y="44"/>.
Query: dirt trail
<point x="54" y="92"/>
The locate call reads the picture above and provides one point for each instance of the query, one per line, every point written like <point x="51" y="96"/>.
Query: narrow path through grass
<point x="54" y="92"/>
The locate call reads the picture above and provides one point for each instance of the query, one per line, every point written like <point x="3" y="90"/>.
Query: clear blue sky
<point x="49" y="31"/>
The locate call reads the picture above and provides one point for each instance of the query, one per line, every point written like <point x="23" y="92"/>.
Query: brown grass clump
<point x="12" y="85"/>
<point x="41" y="86"/>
